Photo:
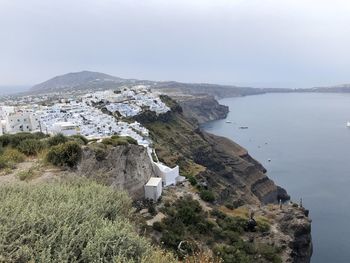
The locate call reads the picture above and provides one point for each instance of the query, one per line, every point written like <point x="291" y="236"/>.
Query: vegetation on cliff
<point x="187" y="222"/>
<point x="224" y="168"/>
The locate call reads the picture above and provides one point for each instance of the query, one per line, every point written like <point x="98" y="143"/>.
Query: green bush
<point x="207" y="195"/>
<point x="25" y="175"/>
<point x="192" y="180"/>
<point x="66" y="154"/>
<point x="231" y="254"/>
<point x="57" y="139"/>
<point x="152" y="210"/>
<point x="79" y="139"/>
<point x="116" y="140"/>
<point x="262" y="225"/>
<point x="270" y="253"/>
<point x="109" y="141"/>
<point x="73" y="222"/>
<point x="13" y="140"/>
<point x="10" y="157"/>
<point x="31" y="146"/>
<point x="100" y="154"/>
<point x="158" y="226"/>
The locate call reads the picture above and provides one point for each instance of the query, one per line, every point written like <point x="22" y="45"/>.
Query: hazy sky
<point x="279" y="42"/>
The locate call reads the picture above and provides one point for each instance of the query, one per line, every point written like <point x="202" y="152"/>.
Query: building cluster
<point x="94" y="115"/>
<point x="83" y="114"/>
<point x="128" y="102"/>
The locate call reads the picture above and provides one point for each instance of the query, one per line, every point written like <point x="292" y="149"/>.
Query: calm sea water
<point x="306" y="138"/>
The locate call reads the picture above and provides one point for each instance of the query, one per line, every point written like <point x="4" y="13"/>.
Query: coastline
<point x="294" y="223"/>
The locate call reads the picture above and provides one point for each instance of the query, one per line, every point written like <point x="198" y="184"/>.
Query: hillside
<point x="209" y="212"/>
<point x="344" y="88"/>
<point x="87" y="80"/>
<point x="78" y="80"/>
<point x="224" y="175"/>
<point x="79" y="221"/>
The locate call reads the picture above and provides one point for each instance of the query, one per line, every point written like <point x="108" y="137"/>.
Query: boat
<point x="243" y="127"/>
<point x="348" y="124"/>
<point x="228" y="121"/>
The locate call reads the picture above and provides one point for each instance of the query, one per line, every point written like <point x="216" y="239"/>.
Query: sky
<point x="262" y="43"/>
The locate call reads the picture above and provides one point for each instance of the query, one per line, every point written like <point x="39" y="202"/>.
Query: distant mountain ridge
<point x="342" y="88"/>
<point x="98" y="81"/>
<point x="77" y="80"/>
<point x="88" y="80"/>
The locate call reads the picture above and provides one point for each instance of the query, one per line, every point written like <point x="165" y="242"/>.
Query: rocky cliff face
<point x="294" y="222"/>
<point x="125" y="167"/>
<point x="221" y="164"/>
<point x="234" y="176"/>
<point x="203" y="108"/>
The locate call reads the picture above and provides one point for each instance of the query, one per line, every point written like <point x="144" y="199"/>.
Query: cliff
<point x="125" y="167"/>
<point x="202" y="108"/>
<point x="235" y="178"/>
<point x="221" y="164"/>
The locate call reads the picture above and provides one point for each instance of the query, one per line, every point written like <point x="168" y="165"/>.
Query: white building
<point x="153" y="188"/>
<point x="168" y="175"/>
<point x="66" y="128"/>
<point x="18" y="122"/>
<point x="2" y="127"/>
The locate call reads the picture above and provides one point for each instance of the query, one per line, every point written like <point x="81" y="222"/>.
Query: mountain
<point x="343" y="88"/>
<point x="78" y="81"/>
<point x="85" y="80"/>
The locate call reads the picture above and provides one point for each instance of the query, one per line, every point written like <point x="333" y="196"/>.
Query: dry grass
<point x="202" y="257"/>
<point x="242" y="212"/>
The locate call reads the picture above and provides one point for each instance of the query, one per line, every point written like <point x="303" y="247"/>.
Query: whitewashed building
<point x="18" y="122"/>
<point x="168" y="175"/>
<point x="66" y="128"/>
<point x="153" y="188"/>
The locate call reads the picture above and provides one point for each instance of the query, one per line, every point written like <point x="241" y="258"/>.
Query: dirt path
<point x="12" y="177"/>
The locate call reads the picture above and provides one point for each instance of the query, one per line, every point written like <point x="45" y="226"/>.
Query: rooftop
<point x="154" y="181"/>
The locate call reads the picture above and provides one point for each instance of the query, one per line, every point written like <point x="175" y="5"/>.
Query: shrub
<point x="152" y="210"/>
<point x="3" y="164"/>
<point x="10" y="157"/>
<point x="73" y="222"/>
<point x="119" y="140"/>
<point x="25" y="175"/>
<point x="100" y="154"/>
<point x="57" y="139"/>
<point x="79" y="139"/>
<point x="192" y="180"/>
<point x="207" y="195"/>
<point x="13" y="140"/>
<point x="31" y="146"/>
<point x="270" y="253"/>
<point x="229" y="206"/>
<point x="263" y="225"/>
<point x="66" y="154"/>
<point x="158" y="226"/>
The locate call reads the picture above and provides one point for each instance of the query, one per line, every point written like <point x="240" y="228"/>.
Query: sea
<point x="304" y="143"/>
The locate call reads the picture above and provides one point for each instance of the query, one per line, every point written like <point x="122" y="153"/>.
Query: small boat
<point x="348" y="124"/>
<point x="243" y="127"/>
<point x="228" y="121"/>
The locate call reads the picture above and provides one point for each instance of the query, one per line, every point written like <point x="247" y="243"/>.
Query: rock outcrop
<point x="125" y="167"/>
<point x="295" y="223"/>
<point x="203" y="108"/>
